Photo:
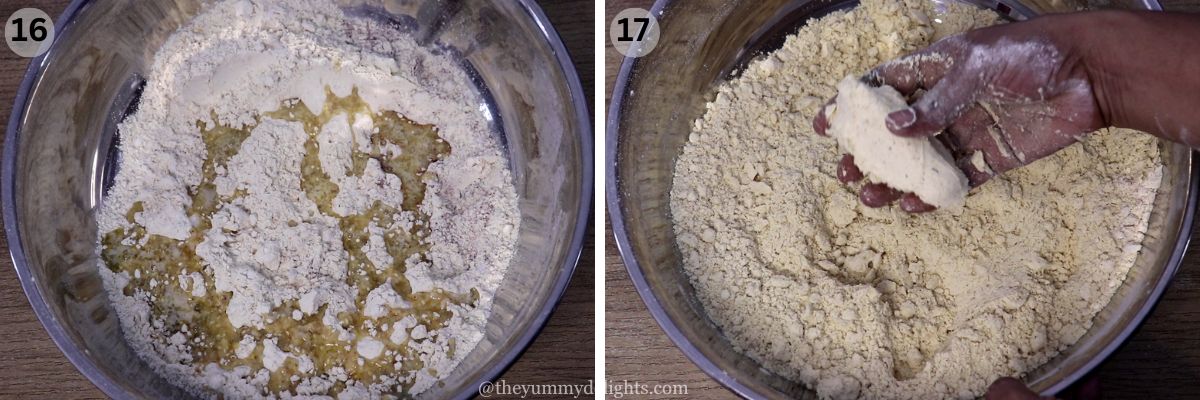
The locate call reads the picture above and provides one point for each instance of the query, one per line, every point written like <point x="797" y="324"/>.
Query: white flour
<point x="917" y="165"/>
<point x="857" y="302"/>
<point x="272" y="253"/>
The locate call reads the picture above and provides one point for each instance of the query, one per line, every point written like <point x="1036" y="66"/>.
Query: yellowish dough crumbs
<point x="876" y="303"/>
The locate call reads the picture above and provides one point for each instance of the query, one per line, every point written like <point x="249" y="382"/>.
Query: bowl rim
<point x="620" y="233"/>
<point x="79" y="357"/>
<point x="633" y="267"/>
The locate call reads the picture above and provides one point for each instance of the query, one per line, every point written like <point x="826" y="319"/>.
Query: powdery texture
<point x="858" y="302"/>
<point x="917" y="165"/>
<point x="270" y="244"/>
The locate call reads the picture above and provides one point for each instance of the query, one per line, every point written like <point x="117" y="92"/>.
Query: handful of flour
<point x="918" y="165"/>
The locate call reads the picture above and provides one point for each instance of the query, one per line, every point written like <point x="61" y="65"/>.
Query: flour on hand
<point x="918" y="165"/>
<point x="859" y="302"/>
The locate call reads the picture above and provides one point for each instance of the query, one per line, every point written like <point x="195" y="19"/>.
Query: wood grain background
<point x="1161" y="361"/>
<point x="31" y="367"/>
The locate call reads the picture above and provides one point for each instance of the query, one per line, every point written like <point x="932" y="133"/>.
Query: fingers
<point x="820" y="123"/>
<point x="872" y="195"/>
<point x="979" y="147"/>
<point x="907" y="74"/>
<point x="877" y="195"/>
<point x="947" y="94"/>
<point x="935" y="110"/>
<point x="976" y="169"/>
<point x="909" y="202"/>
<point x="1009" y="389"/>
<point x="847" y="172"/>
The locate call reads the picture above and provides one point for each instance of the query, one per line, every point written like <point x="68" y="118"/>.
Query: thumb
<point x="934" y="111"/>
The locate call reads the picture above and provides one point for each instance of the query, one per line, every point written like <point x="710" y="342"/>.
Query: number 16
<point x="36" y="31"/>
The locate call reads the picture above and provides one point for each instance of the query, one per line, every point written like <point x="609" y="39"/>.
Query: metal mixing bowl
<point x="657" y="97"/>
<point x="58" y="156"/>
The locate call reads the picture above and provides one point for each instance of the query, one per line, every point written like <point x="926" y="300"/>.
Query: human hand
<point x="1001" y="97"/>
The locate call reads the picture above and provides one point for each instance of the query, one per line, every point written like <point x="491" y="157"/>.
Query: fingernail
<point x="820" y="124"/>
<point x="913" y="204"/>
<point x="877" y="195"/>
<point x="901" y="119"/>
<point x="847" y="171"/>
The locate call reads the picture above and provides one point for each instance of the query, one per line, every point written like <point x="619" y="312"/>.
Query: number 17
<point x="625" y="29"/>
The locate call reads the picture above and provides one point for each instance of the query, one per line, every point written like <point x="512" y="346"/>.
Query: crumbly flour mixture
<point x="876" y="303"/>
<point x="308" y="204"/>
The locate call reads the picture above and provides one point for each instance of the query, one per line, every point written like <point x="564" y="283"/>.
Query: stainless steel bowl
<point x="657" y="97"/>
<point x="58" y="154"/>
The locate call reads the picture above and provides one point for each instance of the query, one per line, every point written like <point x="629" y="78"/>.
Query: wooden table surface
<point x="31" y="366"/>
<point x="1161" y="360"/>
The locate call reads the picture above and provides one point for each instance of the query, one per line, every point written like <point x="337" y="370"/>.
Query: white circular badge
<point x="634" y="32"/>
<point x="29" y="32"/>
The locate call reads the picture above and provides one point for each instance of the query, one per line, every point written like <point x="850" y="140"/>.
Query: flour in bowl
<point x="858" y="302"/>
<point x="308" y="203"/>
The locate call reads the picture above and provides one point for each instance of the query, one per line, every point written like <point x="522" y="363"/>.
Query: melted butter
<point x="155" y="263"/>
